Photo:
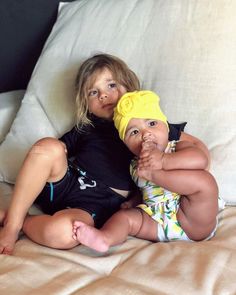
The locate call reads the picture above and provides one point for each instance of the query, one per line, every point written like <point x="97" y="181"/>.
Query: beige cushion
<point x="183" y="50"/>
<point x="9" y="105"/>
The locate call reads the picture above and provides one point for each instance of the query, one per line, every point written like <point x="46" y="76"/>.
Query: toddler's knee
<point x="59" y="233"/>
<point x="50" y="147"/>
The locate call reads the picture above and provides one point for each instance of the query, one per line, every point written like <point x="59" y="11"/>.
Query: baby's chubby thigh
<point x="195" y="226"/>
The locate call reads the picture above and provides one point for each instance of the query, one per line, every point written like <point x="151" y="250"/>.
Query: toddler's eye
<point x="93" y="93"/>
<point x="112" y="85"/>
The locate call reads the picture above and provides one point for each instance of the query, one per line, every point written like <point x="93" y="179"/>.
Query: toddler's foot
<point x="89" y="236"/>
<point x="7" y="240"/>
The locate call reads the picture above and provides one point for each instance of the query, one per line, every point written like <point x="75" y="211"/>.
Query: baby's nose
<point x="146" y="135"/>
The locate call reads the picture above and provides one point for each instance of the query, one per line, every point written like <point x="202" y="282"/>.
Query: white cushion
<point x="183" y="50"/>
<point x="9" y="105"/>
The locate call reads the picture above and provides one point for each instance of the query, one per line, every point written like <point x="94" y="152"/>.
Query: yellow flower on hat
<point x="138" y="104"/>
<point x="125" y="106"/>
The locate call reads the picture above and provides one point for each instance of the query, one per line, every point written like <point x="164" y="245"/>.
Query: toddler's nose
<point x="103" y="96"/>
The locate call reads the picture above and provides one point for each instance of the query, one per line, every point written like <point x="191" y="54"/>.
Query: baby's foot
<point x="7" y="240"/>
<point x="89" y="236"/>
<point x="149" y="145"/>
<point x="144" y="173"/>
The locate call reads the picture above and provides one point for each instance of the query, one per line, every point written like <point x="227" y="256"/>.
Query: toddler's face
<point x="139" y="131"/>
<point x="104" y="95"/>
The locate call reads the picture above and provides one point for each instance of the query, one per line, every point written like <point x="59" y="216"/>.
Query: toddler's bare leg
<point x="46" y="161"/>
<point x="115" y="231"/>
<point x="55" y="231"/>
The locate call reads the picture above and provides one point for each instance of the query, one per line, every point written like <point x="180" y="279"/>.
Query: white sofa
<point x="185" y="51"/>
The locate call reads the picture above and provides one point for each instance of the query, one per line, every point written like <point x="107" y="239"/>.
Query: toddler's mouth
<point x="108" y="106"/>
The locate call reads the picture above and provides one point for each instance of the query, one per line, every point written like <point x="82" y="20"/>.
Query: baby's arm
<point x="180" y="170"/>
<point x="187" y="156"/>
<point x="198" y="143"/>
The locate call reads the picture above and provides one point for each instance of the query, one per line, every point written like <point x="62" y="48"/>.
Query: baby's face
<point x="104" y="94"/>
<point x="139" y="131"/>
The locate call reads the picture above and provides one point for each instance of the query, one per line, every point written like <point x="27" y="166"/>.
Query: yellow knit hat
<point x="138" y="104"/>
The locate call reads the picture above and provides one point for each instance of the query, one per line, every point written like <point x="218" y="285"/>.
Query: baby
<point x="180" y="197"/>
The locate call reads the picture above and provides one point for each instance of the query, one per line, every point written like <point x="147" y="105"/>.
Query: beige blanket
<point x="135" y="267"/>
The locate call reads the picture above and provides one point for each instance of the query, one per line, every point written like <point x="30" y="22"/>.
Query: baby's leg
<point x="115" y="230"/>
<point x="199" y="205"/>
<point x="90" y="236"/>
<point x="46" y="161"/>
<point x="199" y="201"/>
<point x="55" y="231"/>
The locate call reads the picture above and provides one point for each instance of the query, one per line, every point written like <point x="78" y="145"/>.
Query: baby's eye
<point x="134" y="132"/>
<point x="152" y="123"/>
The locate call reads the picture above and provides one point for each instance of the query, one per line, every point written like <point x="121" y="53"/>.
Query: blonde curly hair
<point x="87" y="74"/>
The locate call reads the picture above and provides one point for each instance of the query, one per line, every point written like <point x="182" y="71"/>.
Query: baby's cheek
<point x="136" y="150"/>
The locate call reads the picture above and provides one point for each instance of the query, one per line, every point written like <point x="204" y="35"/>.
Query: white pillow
<point x="183" y="50"/>
<point x="9" y="105"/>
